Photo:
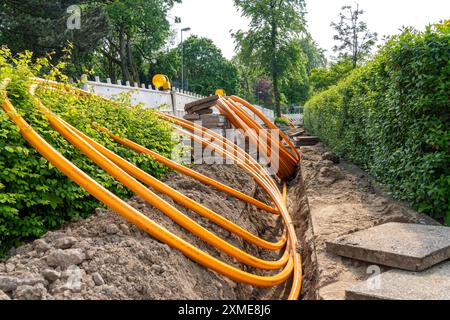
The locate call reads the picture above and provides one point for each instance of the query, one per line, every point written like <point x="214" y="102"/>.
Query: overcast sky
<point x="215" y="18"/>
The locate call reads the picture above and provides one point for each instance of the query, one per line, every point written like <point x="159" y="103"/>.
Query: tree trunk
<point x="355" y="37"/>
<point x="276" y="93"/>
<point x="111" y="72"/>
<point x="275" y="76"/>
<point x="123" y="56"/>
<point x="131" y="62"/>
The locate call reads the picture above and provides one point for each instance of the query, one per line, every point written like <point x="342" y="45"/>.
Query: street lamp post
<point x="182" y="56"/>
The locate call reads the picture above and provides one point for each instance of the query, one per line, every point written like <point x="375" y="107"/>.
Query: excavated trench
<point x="105" y="257"/>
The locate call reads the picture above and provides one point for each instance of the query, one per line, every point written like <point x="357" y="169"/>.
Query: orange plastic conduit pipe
<point x="243" y="121"/>
<point x="177" y="196"/>
<point x="134" y="216"/>
<point x="157" y="201"/>
<point x="297" y="271"/>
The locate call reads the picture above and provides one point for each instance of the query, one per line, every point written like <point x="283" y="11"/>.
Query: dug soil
<point x="105" y="257"/>
<point x="343" y="199"/>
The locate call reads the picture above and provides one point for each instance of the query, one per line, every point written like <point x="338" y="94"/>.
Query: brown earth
<point x="104" y="257"/>
<point x="343" y="199"/>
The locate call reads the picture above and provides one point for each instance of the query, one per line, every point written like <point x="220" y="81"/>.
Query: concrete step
<point x="306" y="141"/>
<point x="297" y="133"/>
<point x="410" y="247"/>
<point x="433" y="284"/>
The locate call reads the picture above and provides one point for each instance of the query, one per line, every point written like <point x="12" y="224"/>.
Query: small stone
<point x="166" y="248"/>
<point x="331" y="157"/>
<point x="9" y="267"/>
<point x="4" y="296"/>
<point x="112" y="229"/>
<point x="90" y="254"/>
<point x="51" y="275"/>
<point x="31" y="279"/>
<point x="65" y="258"/>
<point x="327" y="163"/>
<point x="65" y="243"/>
<point x="157" y="269"/>
<point x="332" y="174"/>
<point x="8" y="284"/>
<point x="100" y="212"/>
<point x="109" y="290"/>
<point x="27" y="292"/>
<point x="125" y="229"/>
<point x="98" y="280"/>
<point x="41" y="246"/>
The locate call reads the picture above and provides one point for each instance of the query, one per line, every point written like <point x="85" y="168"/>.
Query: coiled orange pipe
<point x="121" y="169"/>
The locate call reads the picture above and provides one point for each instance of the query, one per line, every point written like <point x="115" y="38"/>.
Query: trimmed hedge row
<point x="35" y="196"/>
<point x="392" y="117"/>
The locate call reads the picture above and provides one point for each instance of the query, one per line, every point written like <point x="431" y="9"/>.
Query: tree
<point x="116" y="38"/>
<point x="139" y="29"/>
<point x="274" y="25"/>
<point x="41" y="27"/>
<point x="316" y="56"/>
<point x="205" y="68"/>
<point x="263" y="91"/>
<point x="168" y="63"/>
<point x="323" y="78"/>
<point x="295" y="85"/>
<point x="355" y="39"/>
<point x="249" y="77"/>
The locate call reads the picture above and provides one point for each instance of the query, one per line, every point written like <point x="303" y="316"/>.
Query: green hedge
<point x="392" y="117"/>
<point x="282" y="121"/>
<point x="35" y="196"/>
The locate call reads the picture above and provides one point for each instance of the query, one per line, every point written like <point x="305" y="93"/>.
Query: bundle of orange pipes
<point x="138" y="181"/>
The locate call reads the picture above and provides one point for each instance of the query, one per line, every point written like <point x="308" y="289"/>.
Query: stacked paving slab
<point x="202" y="111"/>
<point x="418" y="254"/>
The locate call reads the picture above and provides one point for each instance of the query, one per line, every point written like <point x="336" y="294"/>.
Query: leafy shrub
<point x="282" y="121"/>
<point x="323" y="78"/>
<point x="392" y="117"/>
<point x="35" y="196"/>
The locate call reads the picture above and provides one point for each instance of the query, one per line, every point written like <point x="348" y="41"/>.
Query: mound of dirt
<point x="105" y="257"/>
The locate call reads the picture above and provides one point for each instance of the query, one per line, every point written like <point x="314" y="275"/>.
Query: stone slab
<point x="192" y="117"/>
<point x="306" y="141"/>
<point x="297" y="133"/>
<point x="204" y="111"/>
<point x="205" y="103"/>
<point x="412" y="247"/>
<point x="432" y="284"/>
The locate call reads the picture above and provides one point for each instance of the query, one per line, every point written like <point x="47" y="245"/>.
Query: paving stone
<point x="202" y="104"/>
<point x="192" y="117"/>
<point x="432" y="284"/>
<point x="411" y="247"/>
<point x="306" y="141"/>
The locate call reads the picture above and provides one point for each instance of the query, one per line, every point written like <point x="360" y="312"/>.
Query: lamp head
<point x="161" y="81"/>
